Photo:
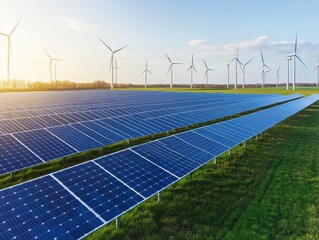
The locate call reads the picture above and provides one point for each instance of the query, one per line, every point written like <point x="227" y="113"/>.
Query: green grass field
<point x="268" y="190"/>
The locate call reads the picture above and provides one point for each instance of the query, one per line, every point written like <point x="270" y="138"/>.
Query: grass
<point x="268" y="190"/>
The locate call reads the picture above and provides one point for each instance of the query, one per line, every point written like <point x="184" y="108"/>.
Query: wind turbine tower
<point x="287" y="78"/>
<point x="236" y="59"/>
<point x="317" y="68"/>
<point x="192" y="68"/>
<point x="243" y="68"/>
<point x="9" y="51"/>
<point x="112" y="60"/>
<point x="277" y="76"/>
<point x="206" y="72"/>
<point x="116" y="68"/>
<point x="263" y="73"/>
<point x="294" y="56"/>
<point x="145" y="72"/>
<point x="51" y="63"/>
<point x="170" y="69"/>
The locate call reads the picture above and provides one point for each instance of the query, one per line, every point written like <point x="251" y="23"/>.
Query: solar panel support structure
<point x="191" y="176"/>
<point x="215" y="161"/>
<point x="244" y="144"/>
<point x="118" y="222"/>
<point x="256" y="137"/>
<point x="229" y="152"/>
<point x="159" y="197"/>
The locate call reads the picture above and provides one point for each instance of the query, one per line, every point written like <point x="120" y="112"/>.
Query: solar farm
<point x="187" y="131"/>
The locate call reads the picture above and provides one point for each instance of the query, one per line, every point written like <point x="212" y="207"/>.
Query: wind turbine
<point x="243" y="68"/>
<point x="206" y="72"/>
<point x="112" y="60"/>
<point x="317" y="68"/>
<point x="227" y="64"/>
<point x="145" y="72"/>
<point x="50" y="65"/>
<point x="263" y="74"/>
<point x="294" y="56"/>
<point x="171" y="69"/>
<point x="236" y="59"/>
<point x="191" y="68"/>
<point x="277" y="76"/>
<point x="115" y="68"/>
<point x="9" y="49"/>
<point x="287" y="80"/>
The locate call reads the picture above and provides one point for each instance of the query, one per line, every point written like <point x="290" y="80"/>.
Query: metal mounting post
<point x="159" y="197"/>
<point x="215" y="161"/>
<point x="229" y="152"/>
<point x="118" y="222"/>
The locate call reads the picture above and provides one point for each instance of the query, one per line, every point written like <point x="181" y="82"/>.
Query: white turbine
<point x="317" y="68"/>
<point x="171" y="69"/>
<point x="277" y="76"/>
<point x="294" y="56"/>
<point x="51" y="63"/>
<point x="263" y="74"/>
<point x="243" y="68"/>
<point x="287" y="77"/>
<point x="192" y="68"/>
<point x="145" y="72"/>
<point x="115" y="68"/>
<point x="206" y="72"/>
<point x="236" y="59"/>
<point x="112" y="60"/>
<point x="9" y="50"/>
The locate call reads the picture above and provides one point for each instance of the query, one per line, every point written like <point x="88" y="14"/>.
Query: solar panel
<point x="44" y="144"/>
<point x="43" y="209"/>
<point x="14" y="156"/>
<point x="172" y="161"/>
<point x="75" y="138"/>
<point x="99" y="190"/>
<point x="138" y="173"/>
<point x="216" y="137"/>
<point x="187" y="150"/>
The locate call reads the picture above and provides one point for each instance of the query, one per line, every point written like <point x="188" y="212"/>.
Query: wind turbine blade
<point x="296" y="44"/>
<point x="210" y="69"/>
<point x="168" y="58"/>
<point x="189" y="68"/>
<point x="205" y="73"/>
<point x="242" y="67"/>
<point x="170" y="66"/>
<point x="301" y="61"/>
<point x="105" y="44"/>
<point x="146" y="64"/>
<point x="316" y="68"/>
<point x="177" y="63"/>
<point x="192" y="59"/>
<point x="262" y="57"/>
<point x="57" y="59"/>
<point x="205" y="63"/>
<point x="15" y="27"/>
<point x="237" y="50"/>
<point x="47" y="53"/>
<point x="267" y="67"/>
<point x="149" y="72"/>
<point x="120" y="49"/>
<point x="4" y="34"/>
<point x="278" y="69"/>
<point x="143" y="72"/>
<point x="249" y="61"/>
<point x="194" y="68"/>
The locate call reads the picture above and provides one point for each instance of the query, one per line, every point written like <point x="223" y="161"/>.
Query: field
<point x="268" y="190"/>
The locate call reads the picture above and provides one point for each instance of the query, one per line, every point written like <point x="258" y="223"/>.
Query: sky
<point x="209" y="29"/>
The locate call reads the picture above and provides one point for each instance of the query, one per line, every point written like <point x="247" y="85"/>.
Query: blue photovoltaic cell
<point x="201" y="142"/>
<point x="187" y="150"/>
<point x="44" y="144"/>
<point x="138" y="173"/>
<point x="99" y="190"/>
<point x="93" y="134"/>
<point x="120" y="127"/>
<point x="218" y="129"/>
<point x="43" y="209"/>
<point x="14" y="156"/>
<point x="75" y="138"/>
<point x="216" y="137"/>
<point x="173" y="162"/>
<point x="108" y="133"/>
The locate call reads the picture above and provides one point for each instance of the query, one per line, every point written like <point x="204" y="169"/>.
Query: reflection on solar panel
<point x="73" y="202"/>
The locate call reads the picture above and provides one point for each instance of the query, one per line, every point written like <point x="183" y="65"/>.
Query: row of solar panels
<point x="25" y="149"/>
<point x="72" y="203"/>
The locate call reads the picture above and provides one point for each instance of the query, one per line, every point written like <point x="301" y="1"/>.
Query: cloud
<point x="77" y="25"/>
<point x="305" y="48"/>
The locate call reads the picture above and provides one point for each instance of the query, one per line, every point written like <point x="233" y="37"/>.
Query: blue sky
<point x="209" y="29"/>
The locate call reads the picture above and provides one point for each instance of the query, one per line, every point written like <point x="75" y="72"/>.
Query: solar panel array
<point x="41" y="127"/>
<point x="72" y="203"/>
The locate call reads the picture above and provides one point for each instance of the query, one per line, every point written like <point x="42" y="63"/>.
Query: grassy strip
<point x="268" y="190"/>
